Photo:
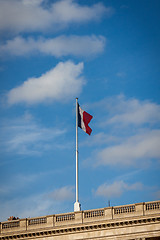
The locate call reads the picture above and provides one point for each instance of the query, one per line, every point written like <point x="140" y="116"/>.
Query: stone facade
<point x="137" y="221"/>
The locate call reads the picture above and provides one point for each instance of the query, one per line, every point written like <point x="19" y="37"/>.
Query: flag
<point x="84" y="119"/>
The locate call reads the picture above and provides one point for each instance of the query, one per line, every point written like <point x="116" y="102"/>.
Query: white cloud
<point x="59" y="46"/>
<point x="30" y="206"/>
<point x="116" y="189"/>
<point x="63" y="194"/>
<point x="39" y="204"/>
<point x="100" y="139"/>
<point x="59" y="84"/>
<point x="17" y="183"/>
<point x="24" y="136"/>
<point x="31" y="15"/>
<point x="120" y="111"/>
<point x="138" y="113"/>
<point x="69" y="11"/>
<point x="135" y="150"/>
<point x="131" y="111"/>
<point x="129" y="133"/>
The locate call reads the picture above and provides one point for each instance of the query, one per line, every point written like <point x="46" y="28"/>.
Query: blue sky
<point x="107" y="54"/>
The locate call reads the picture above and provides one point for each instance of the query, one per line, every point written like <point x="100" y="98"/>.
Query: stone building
<point x="135" y="221"/>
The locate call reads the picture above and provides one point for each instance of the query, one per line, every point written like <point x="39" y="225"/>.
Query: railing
<point x="94" y="213"/>
<point x="152" y="206"/>
<point x="108" y="213"/>
<point x="10" y="225"/>
<point x="125" y="209"/>
<point x="37" y="221"/>
<point x="66" y="217"/>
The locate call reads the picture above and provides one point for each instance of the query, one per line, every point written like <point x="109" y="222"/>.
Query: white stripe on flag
<point x="82" y="122"/>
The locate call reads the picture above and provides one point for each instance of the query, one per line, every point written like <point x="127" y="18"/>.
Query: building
<point x="135" y="221"/>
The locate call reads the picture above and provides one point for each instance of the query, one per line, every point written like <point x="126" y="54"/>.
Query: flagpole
<point x="76" y="149"/>
<point x="77" y="206"/>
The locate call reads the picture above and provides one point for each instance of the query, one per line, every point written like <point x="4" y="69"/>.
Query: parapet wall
<point x="83" y="217"/>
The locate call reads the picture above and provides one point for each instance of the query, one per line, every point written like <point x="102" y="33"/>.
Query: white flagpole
<point x="77" y="206"/>
<point x="76" y="149"/>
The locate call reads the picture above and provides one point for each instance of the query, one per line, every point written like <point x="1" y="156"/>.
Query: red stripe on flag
<point x="86" y="119"/>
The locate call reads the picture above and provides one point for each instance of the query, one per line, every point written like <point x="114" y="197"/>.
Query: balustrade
<point x="125" y="209"/>
<point x="108" y="213"/>
<point x="37" y="221"/>
<point x="94" y="213"/>
<point x="12" y="224"/>
<point x="152" y="206"/>
<point x="66" y="217"/>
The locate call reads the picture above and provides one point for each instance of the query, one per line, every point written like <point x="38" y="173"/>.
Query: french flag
<point x="84" y="119"/>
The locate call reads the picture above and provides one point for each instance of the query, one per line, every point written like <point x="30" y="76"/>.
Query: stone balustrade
<point x="57" y="220"/>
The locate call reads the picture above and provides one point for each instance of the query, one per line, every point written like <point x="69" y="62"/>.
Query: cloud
<point x="131" y="111"/>
<point x="100" y="139"/>
<point x="138" y="113"/>
<point x="24" y="136"/>
<point x="31" y="15"/>
<point x="116" y="189"/>
<point x="39" y="204"/>
<point x="63" y="194"/>
<point x="59" y="84"/>
<point x="18" y="183"/>
<point x="30" y="206"/>
<point x="132" y="152"/>
<point x="128" y="135"/>
<point x="59" y="46"/>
